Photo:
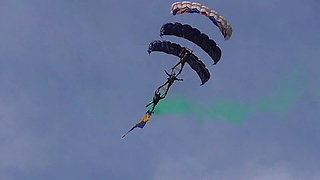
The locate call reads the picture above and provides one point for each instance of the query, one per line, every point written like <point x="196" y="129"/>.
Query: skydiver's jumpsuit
<point x="172" y="77"/>
<point x="156" y="98"/>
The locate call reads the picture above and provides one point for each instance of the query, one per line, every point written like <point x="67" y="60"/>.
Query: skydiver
<point x="156" y="98"/>
<point x="170" y="80"/>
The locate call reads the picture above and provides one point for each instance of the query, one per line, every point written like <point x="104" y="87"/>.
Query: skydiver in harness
<point x="170" y="80"/>
<point x="156" y="98"/>
<point x="184" y="55"/>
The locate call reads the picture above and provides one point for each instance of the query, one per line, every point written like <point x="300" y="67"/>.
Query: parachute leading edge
<point x="189" y="7"/>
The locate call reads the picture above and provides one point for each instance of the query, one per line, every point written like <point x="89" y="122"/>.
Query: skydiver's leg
<point x="182" y="65"/>
<point x="152" y="110"/>
<point x="162" y="85"/>
<point x="149" y="104"/>
<point x="165" y="94"/>
<point x="176" y="65"/>
<point x="169" y="85"/>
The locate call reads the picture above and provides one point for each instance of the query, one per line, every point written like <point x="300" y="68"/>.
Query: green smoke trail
<point x="276" y="101"/>
<point x="230" y="110"/>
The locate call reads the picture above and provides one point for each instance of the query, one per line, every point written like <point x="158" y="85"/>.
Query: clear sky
<point x="76" y="75"/>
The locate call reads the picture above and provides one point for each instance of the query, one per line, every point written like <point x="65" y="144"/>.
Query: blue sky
<point x="76" y="75"/>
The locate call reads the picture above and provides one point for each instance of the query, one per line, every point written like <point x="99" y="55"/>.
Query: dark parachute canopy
<point x="176" y="50"/>
<point x="199" y="67"/>
<point x="195" y="36"/>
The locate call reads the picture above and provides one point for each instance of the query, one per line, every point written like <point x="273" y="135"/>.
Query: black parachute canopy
<point x="194" y="35"/>
<point x="176" y="50"/>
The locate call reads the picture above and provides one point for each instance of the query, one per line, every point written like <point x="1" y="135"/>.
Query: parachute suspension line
<point x="184" y="44"/>
<point x="183" y="22"/>
<point x="185" y="41"/>
<point x="204" y="24"/>
<point x="191" y="50"/>
<point x="194" y="44"/>
<point x="174" y="59"/>
<point x="174" y="64"/>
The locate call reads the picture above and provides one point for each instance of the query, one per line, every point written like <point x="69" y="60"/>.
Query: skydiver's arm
<point x="166" y="72"/>
<point x="177" y="79"/>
